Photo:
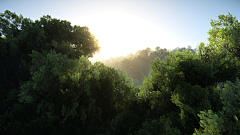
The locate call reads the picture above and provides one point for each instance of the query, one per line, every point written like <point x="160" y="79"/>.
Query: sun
<point x="115" y="31"/>
<point x="121" y="33"/>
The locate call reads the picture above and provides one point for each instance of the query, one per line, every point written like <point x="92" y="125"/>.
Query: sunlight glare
<point x="120" y="34"/>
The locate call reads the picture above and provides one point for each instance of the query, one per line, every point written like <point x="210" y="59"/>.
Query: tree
<point x="179" y="89"/>
<point x="225" y="34"/>
<point x="74" y="94"/>
<point x="19" y="37"/>
<point x="50" y="86"/>
<point x="221" y="53"/>
<point x="22" y="35"/>
<point x="224" y="121"/>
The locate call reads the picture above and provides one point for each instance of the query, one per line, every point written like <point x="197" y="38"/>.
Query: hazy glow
<point x="120" y="34"/>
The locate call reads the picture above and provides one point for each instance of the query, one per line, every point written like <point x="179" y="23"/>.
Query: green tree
<point x="224" y="121"/>
<point x="22" y="35"/>
<point x="160" y="126"/>
<point x="225" y="34"/>
<point x="179" y="88"/>
<point x="224" y="39"/>
<point x="59" y="86"/>
<point x="19" y="37"/>
<point x="221" y="53"/>
<point x="75" y="94"/>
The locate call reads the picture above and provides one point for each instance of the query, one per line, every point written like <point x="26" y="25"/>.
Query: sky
<point x="126" y="26"/>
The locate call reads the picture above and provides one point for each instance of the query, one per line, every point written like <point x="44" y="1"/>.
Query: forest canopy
<point x="49" y="86"/>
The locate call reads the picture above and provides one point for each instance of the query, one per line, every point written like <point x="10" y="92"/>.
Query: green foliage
<point x="72" y="89"/>
<point x="225" y="34"/>
<point x="22" y="35"/>
<point x="226" y="121"/>
<point x="191" y="99"/>
<point x="123" y="123"/>
<point x="161" y="126"/>
<point x="111" y="90"/>
<point x="48" y="85"/>
<point x="185" y="81"/>
<point x="211" y="123"/>
<point x="230" y="100"/>
<point x="138" y="66"/>
<point x="61" y="84"/>
<point x="224" y="67"/>
<point x="41" y="83"/>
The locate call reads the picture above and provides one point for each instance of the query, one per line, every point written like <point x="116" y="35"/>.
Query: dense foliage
<point x="48" y="85"/>
<point x="138" y="66"/>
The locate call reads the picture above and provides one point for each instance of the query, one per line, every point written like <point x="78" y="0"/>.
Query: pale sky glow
<point x="126" y="26"/>
<point x="120" y="34"/>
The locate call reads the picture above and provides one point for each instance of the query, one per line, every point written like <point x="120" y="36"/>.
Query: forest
<point x="49" y="86"/>
<point x="138" y="66"/>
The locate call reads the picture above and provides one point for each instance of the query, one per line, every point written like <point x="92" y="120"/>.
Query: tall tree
<point x="179" y="88"/>
<point x="226" y="34"/>
<point x="22" y="35"/>
<point x="22" y="38"/>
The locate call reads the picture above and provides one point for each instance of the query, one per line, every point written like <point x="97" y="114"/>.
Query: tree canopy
<point x="21" y="35"/>
<point x="49" y="86"/>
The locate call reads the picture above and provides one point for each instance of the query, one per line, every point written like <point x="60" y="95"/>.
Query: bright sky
<point x="125" y="26"/>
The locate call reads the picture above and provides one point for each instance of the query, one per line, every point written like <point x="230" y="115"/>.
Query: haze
<point x="124" y="27"/>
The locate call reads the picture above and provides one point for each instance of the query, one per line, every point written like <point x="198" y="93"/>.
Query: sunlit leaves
<point x="76" y="77"/>
<point x="211" y="123"/>
<point x="225" y="34"/>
